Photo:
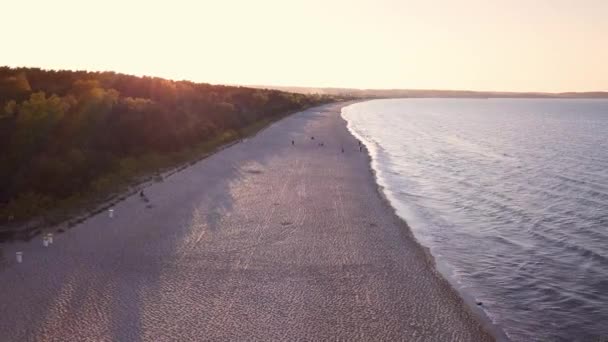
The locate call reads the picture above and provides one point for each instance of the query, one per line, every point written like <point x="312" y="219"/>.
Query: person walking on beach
<point x="342" y="149"/>
<point x="293" y="142"/>
<point x="143" y="196"/>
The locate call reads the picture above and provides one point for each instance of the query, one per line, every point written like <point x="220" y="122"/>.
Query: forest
<point x="68" y="136"/>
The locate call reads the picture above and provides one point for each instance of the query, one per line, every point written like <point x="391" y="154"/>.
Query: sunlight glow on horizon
<point x="517" y="45"/>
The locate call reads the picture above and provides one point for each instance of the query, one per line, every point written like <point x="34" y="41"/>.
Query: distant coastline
<point x="434" y="93"/>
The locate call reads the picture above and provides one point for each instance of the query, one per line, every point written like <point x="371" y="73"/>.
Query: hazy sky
<point x="518" y="45"/>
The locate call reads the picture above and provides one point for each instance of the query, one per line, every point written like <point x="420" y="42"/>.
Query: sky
<point x="510" y="45"/>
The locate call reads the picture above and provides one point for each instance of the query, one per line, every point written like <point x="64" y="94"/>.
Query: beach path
<point x="264" y="240"/>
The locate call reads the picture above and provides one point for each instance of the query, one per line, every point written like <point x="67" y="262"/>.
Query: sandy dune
<point x="261" y="241"/>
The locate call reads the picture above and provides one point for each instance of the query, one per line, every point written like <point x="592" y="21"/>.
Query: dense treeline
<point x="67" y="134"/>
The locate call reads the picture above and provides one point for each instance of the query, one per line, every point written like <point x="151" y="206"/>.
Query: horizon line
<point x="270" y="86"/>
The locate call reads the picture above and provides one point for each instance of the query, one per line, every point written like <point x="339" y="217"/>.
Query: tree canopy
<point x="64" y="134"/>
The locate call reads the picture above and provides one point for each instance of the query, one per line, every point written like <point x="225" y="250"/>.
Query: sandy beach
<point x="264" y="240"/>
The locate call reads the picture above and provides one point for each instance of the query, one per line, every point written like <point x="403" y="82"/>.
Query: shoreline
<point x="262" y="240"/>
<point x="435" y="265"/>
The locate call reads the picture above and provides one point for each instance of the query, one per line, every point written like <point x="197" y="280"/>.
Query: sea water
<point x="511" y="197"/>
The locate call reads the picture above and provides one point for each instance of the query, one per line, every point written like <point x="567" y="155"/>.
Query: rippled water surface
<point x="511" y="195"/>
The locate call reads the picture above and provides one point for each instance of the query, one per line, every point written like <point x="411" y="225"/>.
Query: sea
<point x="511" y="198"/>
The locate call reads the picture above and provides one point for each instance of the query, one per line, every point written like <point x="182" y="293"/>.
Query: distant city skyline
<point x="517" y="45"/>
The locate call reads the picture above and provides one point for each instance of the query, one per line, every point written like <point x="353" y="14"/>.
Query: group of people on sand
<point x="322" y="144"/>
